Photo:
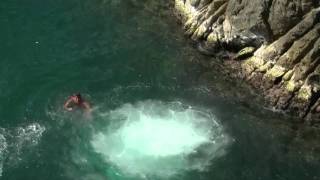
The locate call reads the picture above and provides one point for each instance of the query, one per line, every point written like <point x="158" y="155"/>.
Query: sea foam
<point x="153" y="138"/>
<point x="15" y="142"/>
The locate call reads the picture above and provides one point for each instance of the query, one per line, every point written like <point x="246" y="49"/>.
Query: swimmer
<point x="76" y="100"/>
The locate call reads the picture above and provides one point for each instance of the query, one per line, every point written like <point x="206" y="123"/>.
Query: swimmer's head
<point x="76" y="98"/>
<point x="78" y="95"/>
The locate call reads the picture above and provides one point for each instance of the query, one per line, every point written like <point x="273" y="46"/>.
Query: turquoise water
<point x="156" y="113"/>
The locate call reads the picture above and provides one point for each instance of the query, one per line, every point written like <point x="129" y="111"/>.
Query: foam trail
<point x="160" y="139"/>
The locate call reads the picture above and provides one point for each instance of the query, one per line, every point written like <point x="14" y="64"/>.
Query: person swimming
<point x="76" y="101"/>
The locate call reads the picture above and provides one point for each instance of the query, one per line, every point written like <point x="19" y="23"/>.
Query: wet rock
<point x="278" y="41"/>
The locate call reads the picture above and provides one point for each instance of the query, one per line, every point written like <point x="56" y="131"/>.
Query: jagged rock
<point x="246" y="18"/>
<point x="285" y="14"/>
<point x="244" y="53"/>
<point x="284" y="36"/>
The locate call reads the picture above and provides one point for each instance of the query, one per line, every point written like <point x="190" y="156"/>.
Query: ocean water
<point x="157" y="114"/>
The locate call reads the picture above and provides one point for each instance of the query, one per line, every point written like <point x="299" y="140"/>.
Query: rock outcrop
<point x="277" y="40"/>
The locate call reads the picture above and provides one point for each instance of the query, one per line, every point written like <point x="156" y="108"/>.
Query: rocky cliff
<point x="276" y="45"/>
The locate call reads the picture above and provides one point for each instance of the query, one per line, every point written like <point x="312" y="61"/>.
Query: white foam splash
<point x="155" y="138"/>
<point x="3" y="148"/>
<point x="14" y="142"/>
<point x="27" y="136"/>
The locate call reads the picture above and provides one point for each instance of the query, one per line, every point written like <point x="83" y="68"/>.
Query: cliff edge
<point x="276" y="46"/>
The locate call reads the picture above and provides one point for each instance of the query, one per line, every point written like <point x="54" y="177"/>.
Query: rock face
<point x="279" y="38"/>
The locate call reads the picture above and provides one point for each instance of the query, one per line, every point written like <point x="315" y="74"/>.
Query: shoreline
<point x="284" y="69"/>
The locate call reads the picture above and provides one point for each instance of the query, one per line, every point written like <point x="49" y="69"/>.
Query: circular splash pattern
<point x="153" y="138"/>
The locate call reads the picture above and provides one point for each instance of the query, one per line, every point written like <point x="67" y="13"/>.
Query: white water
<point x="3" y="148"/>
<point x="14" y="143"/>
<point x="160" y="139"/>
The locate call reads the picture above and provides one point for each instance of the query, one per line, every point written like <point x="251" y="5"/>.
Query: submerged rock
<point x="279" y="41"/>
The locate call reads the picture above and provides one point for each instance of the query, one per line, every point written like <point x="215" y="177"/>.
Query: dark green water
<point x="116" y="52"/>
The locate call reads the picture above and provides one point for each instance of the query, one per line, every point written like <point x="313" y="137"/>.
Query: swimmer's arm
<point x="66" y="105"/>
